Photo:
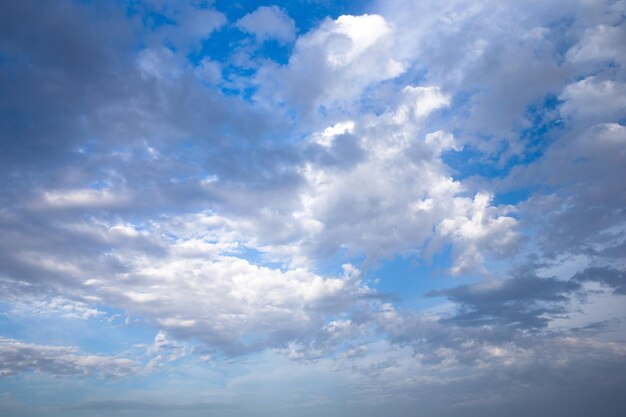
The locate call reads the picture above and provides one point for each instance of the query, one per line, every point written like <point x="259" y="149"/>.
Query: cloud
<point x="583" y="169"/>
<point x="425" y="99"/>
<point x="600" y="43"/>
<point x="268" y="22"/>
<point x="147" y="171"/>
<point x="523" y="301"/>
<point x="17" y="356"/>
<point x="332" y="63"/>
<point x="160" y="63"/>
<point x="393" y="189"/>
<point x="592" y="100"/>
<point x="478" y="229"/>
<point x="200" y="23"/>
<point x="612" y="278"/>
<point x="238" y="306"/>
<point x="463" y="47"/>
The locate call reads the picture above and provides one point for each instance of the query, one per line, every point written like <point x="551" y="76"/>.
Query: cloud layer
<point x="406" y="206"/>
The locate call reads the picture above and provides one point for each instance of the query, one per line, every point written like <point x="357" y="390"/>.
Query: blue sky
<point x="338" y="208"/>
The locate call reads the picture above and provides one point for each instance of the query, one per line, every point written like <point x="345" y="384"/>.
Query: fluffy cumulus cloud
<point x="312" y="208"/>
<point x="352" y="201"/>
<point x="193" y="284"/>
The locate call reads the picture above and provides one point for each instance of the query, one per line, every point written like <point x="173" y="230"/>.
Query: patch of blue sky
<point x="103" y="334"/>
<point x="513" y="197"/>
<point x="109" y="335"/>
<point x="228" y="41"/>
<point x="331" y="264"/>
<point x="220" y="46"/>
<point x="150" y="18"/>
<point x="257" y="257"/>
<point x="8" y="326"/>
<point x="545" y="127"/>
<point x="402" y="278"/>
<point x="306" y="14"/>
<point x="406" y="278"/>
<point x="99" y="185"/>
<point x="470" y="162"/>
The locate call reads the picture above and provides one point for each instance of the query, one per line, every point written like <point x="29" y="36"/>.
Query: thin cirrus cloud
<point x="403" y="207"/>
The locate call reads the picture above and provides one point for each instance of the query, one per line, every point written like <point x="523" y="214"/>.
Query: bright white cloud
<point x="333" y="62"/>
<point x="479" y="229"/>
<point x="196" y="287"/>
<point x="390" y="199"/>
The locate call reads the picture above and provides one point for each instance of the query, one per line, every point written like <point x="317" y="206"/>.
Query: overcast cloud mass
<point x="313" y="208"/>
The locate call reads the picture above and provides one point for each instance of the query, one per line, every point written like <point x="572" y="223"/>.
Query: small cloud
<point x="268" y="23"/>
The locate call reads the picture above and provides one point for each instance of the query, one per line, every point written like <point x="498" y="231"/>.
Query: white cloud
<point x="268" y="22"/>
<point x="478" y="229"/>
<point x="333" y="62"/>
<point x="82" y="198"/>
<point x="420" y="102"/>
<point x="427" y="99"/>
<point x="602" y="42"/>
<point x="593" y="100"/>
<point x="27" y="305"/>
<point x="390" y="199"/>
<point x="190" y="281"/>
<point x="237" y="306"/>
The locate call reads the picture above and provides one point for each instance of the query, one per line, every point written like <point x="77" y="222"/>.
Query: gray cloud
<point x="613" y="278"/>
<point x="17" y="356"/>
<point x="524" y="302"/>
<point x="268" y="23"/>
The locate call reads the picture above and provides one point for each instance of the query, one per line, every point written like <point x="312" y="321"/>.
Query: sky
<point x="313" y="208"/>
